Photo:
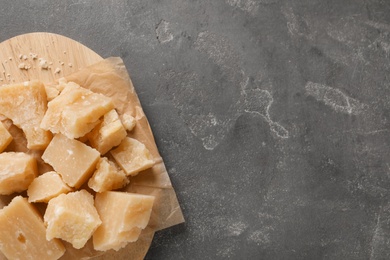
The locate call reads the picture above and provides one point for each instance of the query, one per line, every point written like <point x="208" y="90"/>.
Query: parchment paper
<point x="111" y="78"/>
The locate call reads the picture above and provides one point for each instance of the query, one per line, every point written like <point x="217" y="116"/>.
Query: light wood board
<point x="62" y="54"/>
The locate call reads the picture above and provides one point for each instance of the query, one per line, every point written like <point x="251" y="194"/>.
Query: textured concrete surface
<point x="272" y="116"/>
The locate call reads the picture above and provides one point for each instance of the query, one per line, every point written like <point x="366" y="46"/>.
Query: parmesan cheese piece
<point x="107" y="177"/>
<point x="24" y="66"/>
<point x="76" y="111"/>
<point x="5" y="137"/>
<point x="34" y="56"/>
<point x="123" y="216"/>
<point x="128" y="122"/>
<point x="51" y="92"/>
<point x="23" y="234"/>
<point x="62" y="83"/>
<point x="72" y="217"/>
<point x="17" y="171"/>
<point x="43" y="64"/>
<point x="72" y="159"/>
<point x="25" y="104"/>
<point x="46" y="186"/>
<point x="107" y="134"/>
<point x="132" y="156"/>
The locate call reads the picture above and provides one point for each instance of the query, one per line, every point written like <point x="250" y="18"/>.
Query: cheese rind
<point x="107" y="177"/>
<point x="23" y="234"/>
<point x="72" y="159"/>
<point x="17" y="171"/>
<point x="26" y="104"/>
<point x="5" y="137"/>
<point x="76" y="111"/>
<point x="108" y="133"/>
<point x="46" y="186"/>
<point x="72" y="217"/>
<point x="123" y="216"/>
<point x="132" y="156"/>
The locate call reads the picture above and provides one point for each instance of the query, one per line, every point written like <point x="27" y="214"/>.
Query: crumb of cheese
<point x="34" y="56"/>
<point x="24" y="66"/>
<point x="43" y="64"/>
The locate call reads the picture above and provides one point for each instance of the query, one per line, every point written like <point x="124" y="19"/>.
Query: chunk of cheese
<point x="123" y="216"/>
<point x="26" y="105"/>
<point x="107" y="177"/>
<point x="23" y="234"/>
<point x="5" y="137"/>
<point x="17" y="171"/>
<point x="51" y="92"/>
<point x="72" y="159"/>
<point x="72" y="217"/>
<point x="46" y="186"/>
<point x="128" y="121"/>
<point x="107" y="134"/>
<point x="132" y="156"/>
<point x="76" y="111"/>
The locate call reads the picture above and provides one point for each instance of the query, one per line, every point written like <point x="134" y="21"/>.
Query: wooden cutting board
<point x="20" y="57"/>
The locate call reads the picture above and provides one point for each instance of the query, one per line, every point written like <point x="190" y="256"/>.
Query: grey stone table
<point x="273" y="116"/>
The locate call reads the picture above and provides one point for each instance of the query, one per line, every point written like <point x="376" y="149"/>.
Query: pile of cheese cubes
<point x="85" y="142"/>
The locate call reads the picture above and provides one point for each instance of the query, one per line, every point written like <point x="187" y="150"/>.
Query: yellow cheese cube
<point x="51" y="92"/>
<point x="76" y="111"/>
<point x="17" y="171"/>
<point x="72" y="159"/>
<point x="5" y="137"/>
<point x="62" y="83"/>
<point x="26" y="105"/>
<point x="46" y="186"/>
<point x="107" y="177"/>
<point x="132" y="156"/>
<point x="123" y="216"/>
<point x="72" y="217"/>
<point x="107" y="134"/>
<point x="23" y="234"/>
<point x="53" y="89"/>
<point x="128" y="121"/>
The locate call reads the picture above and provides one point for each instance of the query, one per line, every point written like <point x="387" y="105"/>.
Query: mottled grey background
<point x="272" y="116"/>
